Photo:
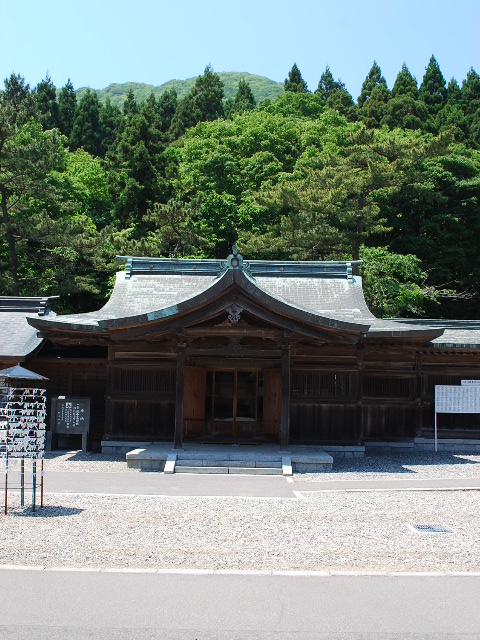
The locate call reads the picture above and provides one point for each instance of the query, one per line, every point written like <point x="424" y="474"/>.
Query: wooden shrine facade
<point x="217" y="351"/>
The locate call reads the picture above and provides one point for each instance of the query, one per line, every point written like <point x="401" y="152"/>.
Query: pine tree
<point x="373" y="79"/>
<point x="295" y="83"/>
<point x="405" y="84"/>
<point x="433" y="91"/>
<point x="67" y="103"/>
<point x="46" y="101"/>
<point x="86" y="125"/>
<point x="18" y="104"/>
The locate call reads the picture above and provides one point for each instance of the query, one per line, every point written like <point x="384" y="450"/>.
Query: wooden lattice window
<point x="320" y="385"/>
<point x="144" y="381"/>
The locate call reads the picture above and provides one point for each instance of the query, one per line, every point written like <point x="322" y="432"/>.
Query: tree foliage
<point x="392" y="179"/>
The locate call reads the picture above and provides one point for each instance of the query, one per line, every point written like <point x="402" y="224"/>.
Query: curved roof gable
<point x="322" y="294"/>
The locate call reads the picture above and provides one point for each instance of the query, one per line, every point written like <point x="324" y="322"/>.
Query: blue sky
<point x="98" y="42"/>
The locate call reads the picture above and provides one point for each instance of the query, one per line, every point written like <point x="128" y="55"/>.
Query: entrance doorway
<point x="232" y="405"/>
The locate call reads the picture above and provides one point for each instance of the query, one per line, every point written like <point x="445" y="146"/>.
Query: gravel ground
<point x="418" y="464"/>
<point x="325" y="531"/>
<point x="342" y="531"/>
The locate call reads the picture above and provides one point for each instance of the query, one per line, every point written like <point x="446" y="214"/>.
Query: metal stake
<point x="22" y="482"/>
<point x="34" y="484"/>
<point x="6" y="483"/>
<point x="41" y="486"/>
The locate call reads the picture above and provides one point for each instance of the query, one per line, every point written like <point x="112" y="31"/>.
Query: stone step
<point x="209" y="462"/>
<point x="267" y="471"/>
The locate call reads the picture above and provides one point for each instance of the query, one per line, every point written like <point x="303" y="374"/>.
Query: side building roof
<point x="18" y="339"/>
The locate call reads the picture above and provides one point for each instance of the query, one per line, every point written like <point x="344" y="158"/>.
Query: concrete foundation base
<point x="230" y="459"/>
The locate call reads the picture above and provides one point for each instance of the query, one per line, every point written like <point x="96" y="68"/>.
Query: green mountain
<point x="261" y="87"/>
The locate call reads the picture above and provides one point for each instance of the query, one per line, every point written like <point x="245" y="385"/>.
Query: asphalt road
<point x="119" y="606"/>
<point x="128" y="483"/>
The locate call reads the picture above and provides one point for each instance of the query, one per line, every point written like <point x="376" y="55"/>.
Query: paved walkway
<point x="158" y="484"/>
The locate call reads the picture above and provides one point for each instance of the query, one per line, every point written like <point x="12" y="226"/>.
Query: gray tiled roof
<point x="458" y="334"/>
<point x="322" y="290"/>
<point x="18" y="339"/>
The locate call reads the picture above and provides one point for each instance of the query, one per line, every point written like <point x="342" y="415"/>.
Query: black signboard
<point x="71" y="416"/>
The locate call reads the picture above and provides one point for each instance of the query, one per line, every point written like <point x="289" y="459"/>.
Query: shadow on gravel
<point x="45" y="512"/>
<point x="400" y="462"/>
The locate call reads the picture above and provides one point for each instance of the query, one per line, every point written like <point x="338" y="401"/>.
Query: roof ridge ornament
<point x="235" y="260"/>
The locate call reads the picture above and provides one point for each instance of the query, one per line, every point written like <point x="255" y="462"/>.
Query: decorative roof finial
<point x="235" y="260"/>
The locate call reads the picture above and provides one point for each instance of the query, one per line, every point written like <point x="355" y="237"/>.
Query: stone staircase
<point x="263" y="459"/>
<point x="226" y="464"/>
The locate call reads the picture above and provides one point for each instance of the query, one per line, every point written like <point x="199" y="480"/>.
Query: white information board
<point x="464" y="398"/>
<point x="457" y="399"/>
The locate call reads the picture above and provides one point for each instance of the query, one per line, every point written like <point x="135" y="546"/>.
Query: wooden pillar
<point x="418" y="395"/>
<point x="110" y="390"/>
<point x="180" y="388"/>
<point x="285" y="416"/>
<point x="359" y="431"/>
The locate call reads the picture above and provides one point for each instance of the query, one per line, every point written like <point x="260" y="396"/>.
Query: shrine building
<point x="232" y="351"/>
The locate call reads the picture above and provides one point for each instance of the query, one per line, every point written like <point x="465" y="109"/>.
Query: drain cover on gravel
<point x="428" y="528"/>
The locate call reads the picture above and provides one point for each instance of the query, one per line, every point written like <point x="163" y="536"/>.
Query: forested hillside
<point x="392" y="177"/>
<point x="262" y="88"/>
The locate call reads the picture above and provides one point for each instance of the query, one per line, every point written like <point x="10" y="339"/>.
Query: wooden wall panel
<point x="194" y="400"/>
<point x="389" y="421"/>
<point x="272" y="401"/>
<point x="314" y="422"/>
<point x="143" y="419"/>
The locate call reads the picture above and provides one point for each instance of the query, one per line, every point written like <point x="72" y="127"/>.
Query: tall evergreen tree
<point x="167" y="104"/>
<point x="295" y="83"/>
<point x="405" y="84"/>
<point x="327" y="86"/>
<point x="471" y="105"/>
<point x="130" y="106"/>
<point x="67" y="103"/>
<point x="86" y="131"/>
<point x="342" y="102"/>
<point x="46" y="101"/>
<point x="204" y="103"/>
<point x="138" y="168"/>
<point x="433" y="90"/>
<point x="454" y="93"/>
<point x="111" y="125"/>
<point x="373" y="110"/>
<point x="403" y="109"/>
<point x="244" y="98"/>
<point x="27" y="156"/>
<point x="373" y="79"/>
